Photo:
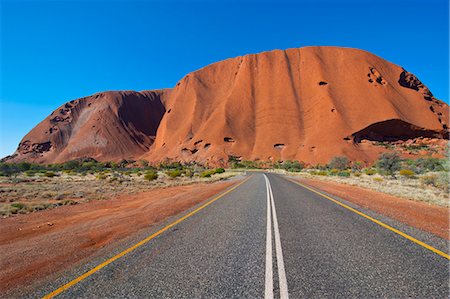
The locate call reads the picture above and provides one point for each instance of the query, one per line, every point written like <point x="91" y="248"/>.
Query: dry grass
<point x="412" y="188"/>
<point x="25" y="194"/>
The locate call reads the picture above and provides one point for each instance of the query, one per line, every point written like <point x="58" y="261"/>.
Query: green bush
<point x="71" y="165"/>
<point x="378" y="179"/>
<point x="30" y="172"/>
<point x="344" y="173"/>
<point x="171" y="165"/>
<point x="407" y="173"/>
<point x="388" y="163"/>
<point x="18" y="206"/>
<point x="370" y="171"/>
<point x="292" y="166"/>
<point x="150" y="176"/>
<point x="24" y="166"/>
<point x="49" y="174"/>
<point x="356" y="174"/>
<point x="219" y="170"/>
<point x="322" y="173"/>
<point x="207" y="173"/>
<point x="334" y="171"/>
<point x="174" y="173"/>
<point x="100" y="176"/>
<point x="339" y="163"/>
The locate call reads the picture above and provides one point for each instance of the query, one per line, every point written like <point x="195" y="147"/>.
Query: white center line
<point x="278" y="250"/>
<point x="268" y="294"/>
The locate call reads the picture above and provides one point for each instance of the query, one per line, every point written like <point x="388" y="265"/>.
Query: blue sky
<point x="55" y="51"/>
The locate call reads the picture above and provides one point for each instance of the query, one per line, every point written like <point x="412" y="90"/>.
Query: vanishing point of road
<point x="268" y="237"/>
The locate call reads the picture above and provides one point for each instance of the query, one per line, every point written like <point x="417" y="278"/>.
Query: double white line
<point x="268" y="294"/>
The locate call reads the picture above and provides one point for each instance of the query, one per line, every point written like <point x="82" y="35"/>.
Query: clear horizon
<point x="53" y="52"/>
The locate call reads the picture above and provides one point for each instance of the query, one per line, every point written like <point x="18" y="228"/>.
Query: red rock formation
<point x="106" y="126"/>
<point x="307" y="104"/>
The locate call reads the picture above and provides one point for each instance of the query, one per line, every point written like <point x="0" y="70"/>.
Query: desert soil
<point x="427" y="217"/>
<point x="36" y="245"/>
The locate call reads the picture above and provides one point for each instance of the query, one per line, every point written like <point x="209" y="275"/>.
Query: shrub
<point x="429" y="164"/>
<point x="370" y="171"/>
<point x="174" y="173"/>
<point x="207" y="173"/>
<point x="344" y="173"/>
<point x="49" y="174"/>
<point x="172" y="165"/>
<point x="71" y="165"/>
<point x="30" y="172"/>
<point x="339" y="163"/>
<point x="24" y="166"/>
<point x="293" y="166"/>
<point x="357" y="166"/>
<point x="389" y="163"/>
<point x="18" y="206"/>
<point x="378" y="179"/>
<point x="101" y="176"/>
<point x="323" y="173"/>
<point x="334" y="171"/>
<point x="150" y="176"/>
<point x="357" y="174"/>
<point x="407" y="173"/>
<point x="219" y="170"/>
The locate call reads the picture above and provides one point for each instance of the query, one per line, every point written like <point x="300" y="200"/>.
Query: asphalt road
<point x="270" y="237"/>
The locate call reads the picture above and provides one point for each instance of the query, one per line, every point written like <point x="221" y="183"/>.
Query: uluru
<point x="307" y="104"/>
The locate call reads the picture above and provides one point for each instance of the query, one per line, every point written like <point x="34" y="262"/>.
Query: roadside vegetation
<point x="423" y="179"/>
<point x="27" y="187"/>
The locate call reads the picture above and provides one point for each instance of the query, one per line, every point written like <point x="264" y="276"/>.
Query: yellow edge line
<point x="109" y="261"/>
<point x="431" y="248"/>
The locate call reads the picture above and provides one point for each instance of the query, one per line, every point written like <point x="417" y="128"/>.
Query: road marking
<point x="382" y="224"/>
<point x="268" y="294"/>
<point x="284" y="294"/>
<point x="128" y="250"/>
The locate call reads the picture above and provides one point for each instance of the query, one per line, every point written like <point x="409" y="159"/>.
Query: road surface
<point x="269" y="237"/>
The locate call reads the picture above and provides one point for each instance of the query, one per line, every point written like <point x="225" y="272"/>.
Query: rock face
<point x="306" y="104"/>
<point x="106" y="126"/>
